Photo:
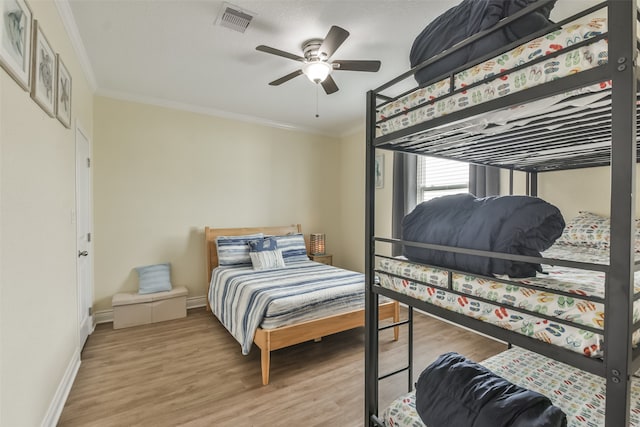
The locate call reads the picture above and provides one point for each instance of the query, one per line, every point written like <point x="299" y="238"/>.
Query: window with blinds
<point x="440" y="177"/>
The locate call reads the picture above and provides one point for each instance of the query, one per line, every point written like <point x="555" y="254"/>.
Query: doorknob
<point x="83" y="253"/>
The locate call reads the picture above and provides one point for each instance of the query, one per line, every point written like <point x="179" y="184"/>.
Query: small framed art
<point x="63" y="93"/>
<point x="379" y="171"/>
<point x="15" y="40"/>
<point x="43" y="78"/>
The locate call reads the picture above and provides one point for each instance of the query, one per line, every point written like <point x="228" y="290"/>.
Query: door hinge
<point x="90" y="311"/>
<point x="88" y="162"/>
<point x="88" y="237"/>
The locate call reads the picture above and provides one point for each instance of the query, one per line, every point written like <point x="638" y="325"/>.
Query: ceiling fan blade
<point x="371" y="66"/>
<point x="329" y="85"/>
<point x="285" y="78"/>
<point x="274" y="51"/>
<point x="335" y="37"/>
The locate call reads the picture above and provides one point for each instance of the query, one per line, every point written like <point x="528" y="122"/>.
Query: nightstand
<point x="323" y="259"/>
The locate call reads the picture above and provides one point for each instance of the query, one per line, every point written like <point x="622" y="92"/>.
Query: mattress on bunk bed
<point x="579" y="394"/>
<point x="244" y="299"/>
<point x="553" y="68"/>
<point x="575" y="282"/>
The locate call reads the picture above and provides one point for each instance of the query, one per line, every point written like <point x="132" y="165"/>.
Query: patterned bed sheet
<point x="244" y="299"/>
<point x="562" y="65"/>
<point x="572" y="308"/>
<point x="579" y="394"/>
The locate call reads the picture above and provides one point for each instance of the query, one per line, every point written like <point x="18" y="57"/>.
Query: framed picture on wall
<point x="43" y="78"/>
<point x="63" y="93"/>
<point x="379" y="171"/>
<point x="15" y="40"/>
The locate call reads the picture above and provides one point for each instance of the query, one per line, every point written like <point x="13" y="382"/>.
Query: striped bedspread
<point x="244" y="299"/>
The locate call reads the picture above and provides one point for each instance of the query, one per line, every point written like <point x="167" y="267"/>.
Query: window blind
<point x="438" y="177"/>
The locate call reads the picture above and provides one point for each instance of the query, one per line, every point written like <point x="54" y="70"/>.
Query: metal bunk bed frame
<point x="620" y="359"/>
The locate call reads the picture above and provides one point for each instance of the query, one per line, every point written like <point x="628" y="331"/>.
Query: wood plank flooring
<point x="190" y="372"/>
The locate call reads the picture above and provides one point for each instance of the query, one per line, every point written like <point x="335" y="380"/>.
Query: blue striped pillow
<point x="154" y="278"/>
<point x="293" y="247"/>
<point x="234" y="250"/>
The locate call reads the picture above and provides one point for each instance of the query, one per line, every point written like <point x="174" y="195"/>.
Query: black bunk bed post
<point x="511" y="182"/>
<point x="371" y="298"/>
<point x="619" y="292"/>
<point x="533" y="184"/>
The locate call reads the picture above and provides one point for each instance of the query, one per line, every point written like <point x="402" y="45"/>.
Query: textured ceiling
<point x="171" y="52"/>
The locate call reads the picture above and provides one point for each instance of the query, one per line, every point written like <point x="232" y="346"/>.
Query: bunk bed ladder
<point x="409" y="367"/>
<point x="373" y="418"/>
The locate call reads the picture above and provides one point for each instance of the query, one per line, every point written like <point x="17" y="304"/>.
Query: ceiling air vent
<point x="234" y="17"/>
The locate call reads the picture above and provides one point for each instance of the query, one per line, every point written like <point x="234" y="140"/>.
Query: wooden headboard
<point x="210" y="235"/>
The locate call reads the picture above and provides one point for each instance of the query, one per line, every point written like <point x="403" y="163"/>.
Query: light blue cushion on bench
<point x="154" y="278"/>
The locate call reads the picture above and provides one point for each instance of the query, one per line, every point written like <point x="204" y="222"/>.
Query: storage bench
<point x="131" y="309"/>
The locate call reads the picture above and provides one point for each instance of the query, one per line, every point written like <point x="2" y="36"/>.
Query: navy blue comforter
<point x="520" y="225"/>
<point x="456" y="392"/>
<point x="466" y="19"/>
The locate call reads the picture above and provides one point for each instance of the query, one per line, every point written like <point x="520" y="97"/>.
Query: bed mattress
<point x="579" y="394"/>
<point x="244" y="299"/>
<point x="401" y="275"/>
<point x="556" y="67"/>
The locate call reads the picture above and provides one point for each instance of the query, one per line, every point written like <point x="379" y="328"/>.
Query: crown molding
<point x="148" y="100"/>
<point x="356" y="129"/>
<point x="66" y="14"/>
<point x="64" y="10"/>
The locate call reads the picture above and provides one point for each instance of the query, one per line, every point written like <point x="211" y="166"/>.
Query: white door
<point x="83" y="233"/>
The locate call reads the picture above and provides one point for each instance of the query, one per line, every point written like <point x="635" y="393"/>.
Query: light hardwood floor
<point x="190" y="372"/>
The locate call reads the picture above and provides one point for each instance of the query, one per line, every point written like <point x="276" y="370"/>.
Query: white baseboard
<point x="57" y="404"/>
<point x="196" y="302"/>
<point x="103" y="316"/>
<point x="106" y="316"/>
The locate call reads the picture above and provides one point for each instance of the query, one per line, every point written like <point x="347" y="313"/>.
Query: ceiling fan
<point x="315" y="62"/>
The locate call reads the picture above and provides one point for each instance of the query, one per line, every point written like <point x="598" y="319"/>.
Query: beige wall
<point x="352" y="151"/>
<point x="352" y="181"/>
<point x="162" y="175"/>
<point x="38" y="304"/>
<point x="572" y="191"/>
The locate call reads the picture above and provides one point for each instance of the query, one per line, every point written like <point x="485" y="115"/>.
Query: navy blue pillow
<point x="261" y="245"/>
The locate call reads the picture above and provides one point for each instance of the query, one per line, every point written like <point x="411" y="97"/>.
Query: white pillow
<point x="267" y="260"/>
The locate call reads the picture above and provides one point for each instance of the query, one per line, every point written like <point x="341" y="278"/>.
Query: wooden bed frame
<point x="273" y="339"/>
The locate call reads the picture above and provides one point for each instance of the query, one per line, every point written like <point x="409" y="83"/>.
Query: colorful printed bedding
<point x="244" y="299"/>
<point x="398" y="275"/>
<point x="563" y="65"/>
<point x="579" y="394"/>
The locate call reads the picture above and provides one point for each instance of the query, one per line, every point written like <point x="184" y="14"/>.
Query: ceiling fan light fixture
<point x="317" y="71"/>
